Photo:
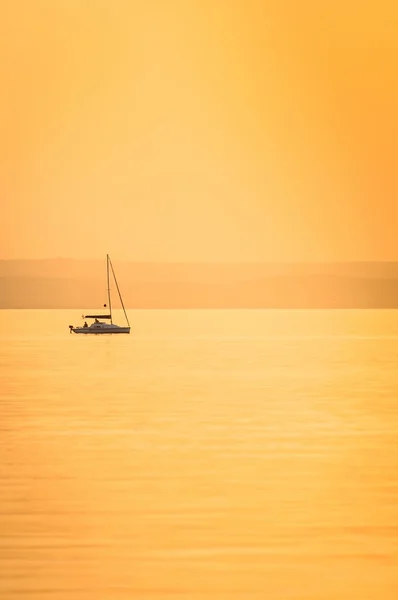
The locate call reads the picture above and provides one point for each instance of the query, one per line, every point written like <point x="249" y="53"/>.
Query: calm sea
<point x="240" y="455"/>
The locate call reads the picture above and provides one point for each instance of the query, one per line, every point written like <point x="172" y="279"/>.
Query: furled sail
<point x="97" y="316"/>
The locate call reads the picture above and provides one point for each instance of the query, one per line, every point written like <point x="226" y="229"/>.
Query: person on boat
<point x="85" y="324"/>
<point x="96" y="321"/>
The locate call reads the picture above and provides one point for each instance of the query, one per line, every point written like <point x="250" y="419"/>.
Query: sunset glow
<point x="199" y="131"/>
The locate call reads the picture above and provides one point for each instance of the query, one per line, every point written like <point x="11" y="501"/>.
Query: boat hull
<point x="100" y="331"/>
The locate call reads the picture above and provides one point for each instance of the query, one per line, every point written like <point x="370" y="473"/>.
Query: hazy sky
<point x="199" y="129"/>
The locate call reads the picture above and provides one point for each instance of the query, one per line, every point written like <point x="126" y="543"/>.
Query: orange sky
<point x="199" y="129"/>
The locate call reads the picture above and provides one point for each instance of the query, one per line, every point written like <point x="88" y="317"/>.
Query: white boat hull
<point x="100" y="328"/>
<point x="99" y="331"/>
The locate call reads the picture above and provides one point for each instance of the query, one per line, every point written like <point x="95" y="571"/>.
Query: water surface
<point x="240" y="455"/>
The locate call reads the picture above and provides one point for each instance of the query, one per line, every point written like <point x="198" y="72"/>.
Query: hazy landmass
<point x="64" y="283"/>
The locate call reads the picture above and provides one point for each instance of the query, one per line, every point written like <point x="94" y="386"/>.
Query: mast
<point x="118" y="290"/>
<point x="109" y="288"/>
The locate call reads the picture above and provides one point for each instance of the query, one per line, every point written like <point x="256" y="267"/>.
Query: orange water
<point x="242" y="455"/>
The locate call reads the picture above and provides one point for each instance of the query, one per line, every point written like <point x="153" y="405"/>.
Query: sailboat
<point x="103" y="323"/>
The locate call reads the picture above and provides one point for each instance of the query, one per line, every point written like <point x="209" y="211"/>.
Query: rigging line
<point x="120" y="296"/>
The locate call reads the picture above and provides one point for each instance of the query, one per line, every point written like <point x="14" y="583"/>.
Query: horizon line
<point x="206" y="262"/>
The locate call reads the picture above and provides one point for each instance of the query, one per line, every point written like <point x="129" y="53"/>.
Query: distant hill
<point x="64" y="283"/>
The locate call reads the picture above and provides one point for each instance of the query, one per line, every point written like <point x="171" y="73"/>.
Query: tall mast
<point x="109" y="288"/>
<point x="120" y="296"/>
